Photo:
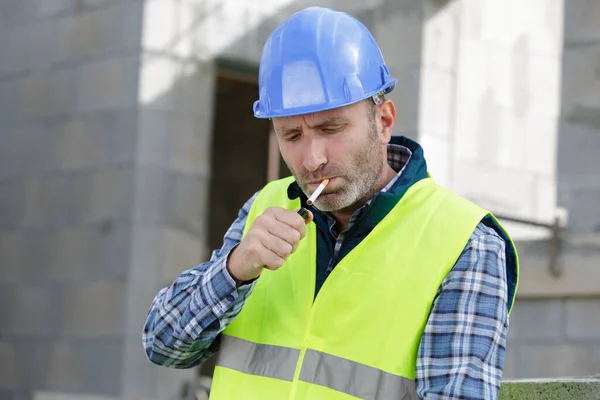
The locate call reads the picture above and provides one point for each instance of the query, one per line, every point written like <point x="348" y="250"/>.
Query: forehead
<point x="350" y="112"/>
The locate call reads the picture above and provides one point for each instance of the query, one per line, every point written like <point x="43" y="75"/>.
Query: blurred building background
<point x="127" y="145"/>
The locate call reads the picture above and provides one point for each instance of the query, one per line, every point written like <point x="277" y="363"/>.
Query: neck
<point x="342" y="217"/>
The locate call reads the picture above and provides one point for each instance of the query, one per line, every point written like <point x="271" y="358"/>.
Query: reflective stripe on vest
<point x="319" y="368"/>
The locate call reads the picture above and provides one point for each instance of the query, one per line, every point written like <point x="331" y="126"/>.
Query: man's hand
<point x="272" y="238"/>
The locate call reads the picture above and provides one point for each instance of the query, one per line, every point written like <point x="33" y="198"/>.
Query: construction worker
<point x="392" y="287"/>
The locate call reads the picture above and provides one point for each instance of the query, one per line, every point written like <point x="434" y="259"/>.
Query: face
<point x="343" y="144"/>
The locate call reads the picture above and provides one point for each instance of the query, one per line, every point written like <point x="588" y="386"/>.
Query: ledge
<point x="551" y="389"/>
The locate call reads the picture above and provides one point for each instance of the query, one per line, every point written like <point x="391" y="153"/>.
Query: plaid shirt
<point x="461" y="354"/>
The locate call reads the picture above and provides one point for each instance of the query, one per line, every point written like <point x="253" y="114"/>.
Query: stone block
<point x="124" y="128"/>
<point x="61" y="395"/>
<point x="546" y="199"/>
<point x="501" y="191"/>
<point x="399" y="33"/>
<point x="188" y="202"/>
<point x="110" y="256"/>
<point x="542" y="23"/>
<point x="47" y="201"/>
<point x="577" y="161"/>
<point x="8" y="376"/>
<point x="581" y="21"/>
<point x="111" y="194"/>
<point x="107" y="85"/>
<point x="195" y="90"/>
<point x="441" y="38"/>
<point x="29" y="313"/>
<point x="166" y="15"/>
<point x="70" y="257"/>
<point x="242" y="38"/>
<point x="12" y="198"/>
<point x="140" y="376"/>
<point x="89" y="253"/>
<point x="94" y="310"/>
<point x="47" y="94"/>
<point x="15" y="13"/>
<point x="158" y="76"/>
<point x="32" y="362"/>
<point x="583" y="210"/>
<point x="579" y="258"/>
<point x="437" y="102"/>
<point x="94" y="139"/>
<point x="543" y="85"/>
<point x="182" y="251"/>
<point x="537" y="319"/>
<point x="24" y="251"/>
<point x="154" y="132"/>
<point x="151" y="196"/>
<point x="438" y="152"/>
<point x="139" y="299"/>
<point x="510" y="362"/>
<point x="147" y="255"/>
<point x="14" y="253"/>
<point x="190" y="145"/>
<point x="80" y="144"/>
<point x="100" y="32"/>
<point x="406" y="97"/>
<point x="27" y="150"/>
<point x="552" y="360"/>
<point x="14" y="54"/>
<point x="97" y="3"/>
<point x="583" y="319"/>
<point x="581" y="80"/>
<point x="87" y="367"/>
<point x="539" y="142"/>
<point x="54" y="8"/>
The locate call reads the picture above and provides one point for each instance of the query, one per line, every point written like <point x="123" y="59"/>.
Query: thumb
<point x="309" y="217"/>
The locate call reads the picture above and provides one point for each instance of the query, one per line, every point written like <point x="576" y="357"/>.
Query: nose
<point x="314" y="155"/>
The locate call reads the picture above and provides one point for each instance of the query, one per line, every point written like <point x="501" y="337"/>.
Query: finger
<point x="271" y="260"/>
<point x="292" y="219"/>
<point x="285" y="232"/>
<point x="277" y="245"/>
<point x="309" y="218"/>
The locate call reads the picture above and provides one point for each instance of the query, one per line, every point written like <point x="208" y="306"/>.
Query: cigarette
<point x="317" y="192"/>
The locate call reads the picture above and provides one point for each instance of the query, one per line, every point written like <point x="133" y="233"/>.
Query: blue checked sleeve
<point x="185" y="319"/>
<point x="461" y="355"/>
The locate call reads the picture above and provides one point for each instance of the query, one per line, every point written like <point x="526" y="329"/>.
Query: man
<point x="391" y="288"/>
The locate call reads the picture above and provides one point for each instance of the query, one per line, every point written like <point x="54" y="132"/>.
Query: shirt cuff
<point x="223" y="287"/>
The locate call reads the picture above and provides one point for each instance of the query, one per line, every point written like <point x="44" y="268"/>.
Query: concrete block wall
<point x="554" y="338"/>
<point x="554" y="327"/>
<point x="579" y="133"/>
<point x="507" y="107"/>
<point x="104" y="166"/>
<point x="68" y="81"/>
<point x="105" y="137"/>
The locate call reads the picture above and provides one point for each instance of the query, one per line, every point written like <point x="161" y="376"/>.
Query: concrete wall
<point x="105" y="137"/>
<point x="579" y="135"/>
<point x="491" y="102"/>
<point x="103" y="178"/>
<point x="555" y="328"/>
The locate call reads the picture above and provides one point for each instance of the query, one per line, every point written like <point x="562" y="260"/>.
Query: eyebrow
<point x="327" y="122"/>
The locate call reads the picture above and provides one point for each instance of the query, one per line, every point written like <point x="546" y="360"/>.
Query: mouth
<point x="315" y="184"/>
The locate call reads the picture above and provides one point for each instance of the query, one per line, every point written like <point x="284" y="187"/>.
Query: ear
<point x="386" y="119"/>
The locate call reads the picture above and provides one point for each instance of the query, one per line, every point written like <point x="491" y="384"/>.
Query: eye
<point x="292" y="137"/>
<point x="332" y="129"/>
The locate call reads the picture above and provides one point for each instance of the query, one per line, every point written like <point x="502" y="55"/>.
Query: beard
<point x="355" y="180"/>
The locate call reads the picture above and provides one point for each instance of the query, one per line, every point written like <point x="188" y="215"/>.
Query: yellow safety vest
<point x="359" y="337"/>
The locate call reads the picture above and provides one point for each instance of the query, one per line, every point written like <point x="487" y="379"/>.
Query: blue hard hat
<point x="316" y="60"/>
